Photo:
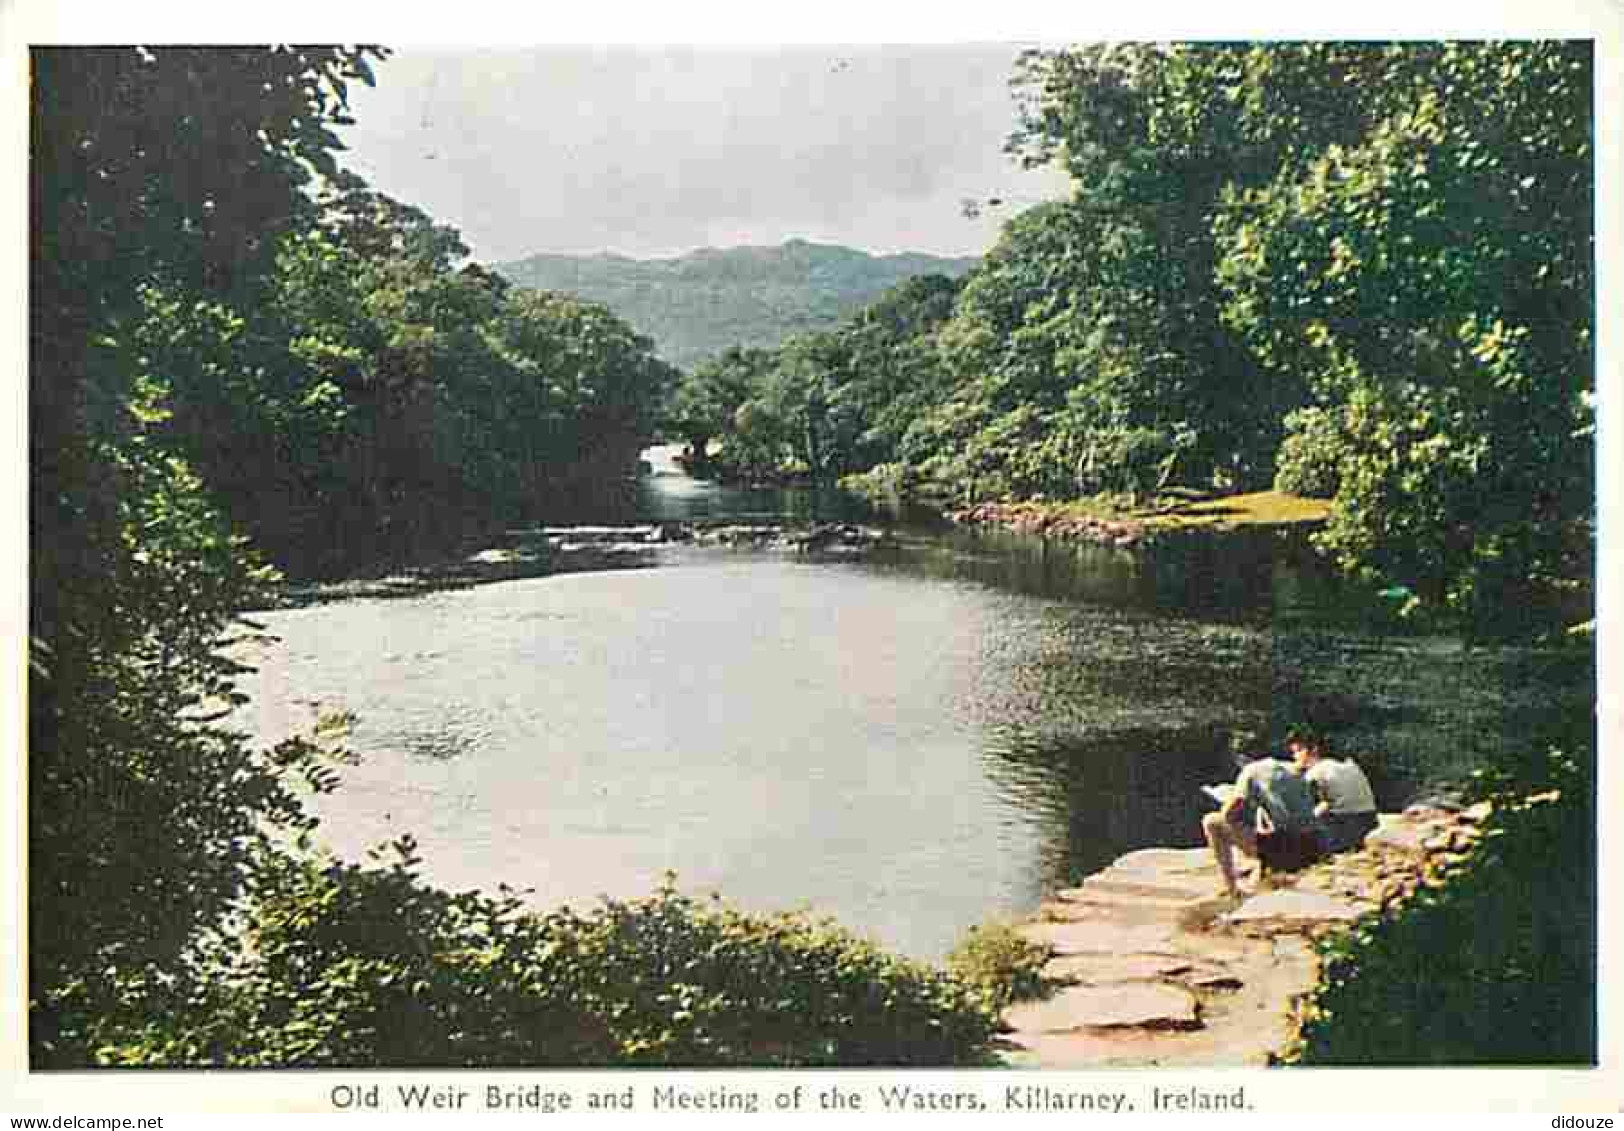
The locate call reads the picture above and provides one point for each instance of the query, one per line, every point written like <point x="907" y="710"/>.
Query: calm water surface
<point x="912" y="744"/>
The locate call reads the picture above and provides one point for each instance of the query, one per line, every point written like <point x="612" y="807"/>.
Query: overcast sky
<point x="656" y="151"/>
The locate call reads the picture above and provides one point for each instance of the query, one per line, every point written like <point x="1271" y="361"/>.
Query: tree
<point x="1151" y="134"/>
<point x="1088" y="352"/>
<point x="1008" y="350"/>
<point x="803" y="393"/>
<point x="1432" y="281"/>
<point x="175" y="169"/>
<point x="893" y="370"/>
<point x="705" y="402"/>
<point x="582" y="398"/>
<point x="380" y="401"/>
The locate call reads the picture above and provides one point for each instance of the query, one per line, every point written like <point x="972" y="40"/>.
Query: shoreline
<point x="1265" y="513"/>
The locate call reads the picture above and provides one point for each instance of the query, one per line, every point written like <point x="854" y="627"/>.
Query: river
<point x="911" y="743"/>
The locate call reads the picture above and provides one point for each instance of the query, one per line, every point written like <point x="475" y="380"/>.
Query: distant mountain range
<point x="696" y="305"/>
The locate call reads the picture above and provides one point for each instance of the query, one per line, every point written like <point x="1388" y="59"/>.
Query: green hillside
<point x="696" y="305"/>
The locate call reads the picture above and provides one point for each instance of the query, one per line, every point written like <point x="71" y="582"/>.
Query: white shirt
<point x="1343" y="784"/>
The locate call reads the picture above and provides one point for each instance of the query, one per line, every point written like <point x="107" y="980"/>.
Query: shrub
<point x="364" y="967"/>
<point x="1307" y="463"/>
<point x="1000" y="963"/>
<point x="338" y="965"/>
<point x="680" y="982"/>
<point x="1493" y="963"/>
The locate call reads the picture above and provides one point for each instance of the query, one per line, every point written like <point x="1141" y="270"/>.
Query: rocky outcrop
<point x="825" y="539"/>
<point x="1153" y="966"/>
<point x="541" y="551"/>
<point x="1045" y="521"/>
<point x="1264" y="518"/>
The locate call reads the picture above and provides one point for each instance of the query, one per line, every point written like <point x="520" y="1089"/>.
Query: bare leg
<point x="1224" y="836"/>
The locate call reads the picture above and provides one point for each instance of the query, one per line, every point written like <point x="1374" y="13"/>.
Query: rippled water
<point x="912" y="744"/>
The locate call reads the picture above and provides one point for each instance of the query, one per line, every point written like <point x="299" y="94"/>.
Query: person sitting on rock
<point x="1269" y="816"/>
<point x="1345" y="805"/>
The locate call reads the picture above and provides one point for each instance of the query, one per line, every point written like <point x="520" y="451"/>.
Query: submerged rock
<point x="834" y="539"/>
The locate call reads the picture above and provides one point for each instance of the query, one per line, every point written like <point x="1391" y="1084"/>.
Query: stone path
<point x="1153" y="967"/>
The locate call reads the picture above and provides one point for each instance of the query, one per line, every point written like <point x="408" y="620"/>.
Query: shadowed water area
<point x="913" y="742"/>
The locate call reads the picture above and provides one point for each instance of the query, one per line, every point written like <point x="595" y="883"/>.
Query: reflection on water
<point x="668" y="494"/>
<point x="912" y="744"/>
<point x="431" y="737"/>
<point x="1074" y="786"/>
<point x="1195" y="579"/>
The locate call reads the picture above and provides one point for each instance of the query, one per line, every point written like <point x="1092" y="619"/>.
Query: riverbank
<point x="1126" y="527"/>
<point x="1151" y="968"/>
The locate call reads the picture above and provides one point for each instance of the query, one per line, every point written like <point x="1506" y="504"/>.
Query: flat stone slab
<point x="1093" y="1049"/>
<point x="1293" y="951"/>
<point x="1143" y="884"/>
<point x="1224" y="949"/>
<point x="1166" y="860"/>
<point x="1109" y="969"/>
<point x="1150" y="1005"/>
<point x="1401" y="834"/>
<point x="1292" y="906"/>
<point x="1097" y="968"/>
<point x="1097" y="894"/>
<point x="1101" y="937"/>
<point x="1122" y="910"/>
<point x="1198" y="914"/>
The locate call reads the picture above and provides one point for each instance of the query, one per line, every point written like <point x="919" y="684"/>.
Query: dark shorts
<point x="1288" y="850"/>
<point x="1341" y="831"/>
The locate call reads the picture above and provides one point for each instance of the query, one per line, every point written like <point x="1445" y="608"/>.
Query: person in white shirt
<point x="1345" y="805"/>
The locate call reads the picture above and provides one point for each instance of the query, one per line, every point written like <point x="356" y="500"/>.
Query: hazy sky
<point x="656" y="151"/>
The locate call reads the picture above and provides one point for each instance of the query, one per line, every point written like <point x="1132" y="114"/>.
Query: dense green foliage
<point x="1493" y="964"/>
<point x="823" y="404"/>
<point x="1002" y="964"/>
<point x="698" y="304"/>
<point x="173" y="169"/>
<point x="1360" y="271"/>
<point x="382" y="401"/>
<point x="1432" y="283"/>
<point x="351" y="966"/>
<point x="706" y="403"/>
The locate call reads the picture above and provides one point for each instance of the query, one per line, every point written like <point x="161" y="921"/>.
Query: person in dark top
<point x="1268" y="816"/>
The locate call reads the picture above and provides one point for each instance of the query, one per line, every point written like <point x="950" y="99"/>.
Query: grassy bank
<point x="1120" y="518"/>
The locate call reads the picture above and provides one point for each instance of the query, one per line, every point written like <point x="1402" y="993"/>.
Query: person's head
<point x="1306" y="745"/>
